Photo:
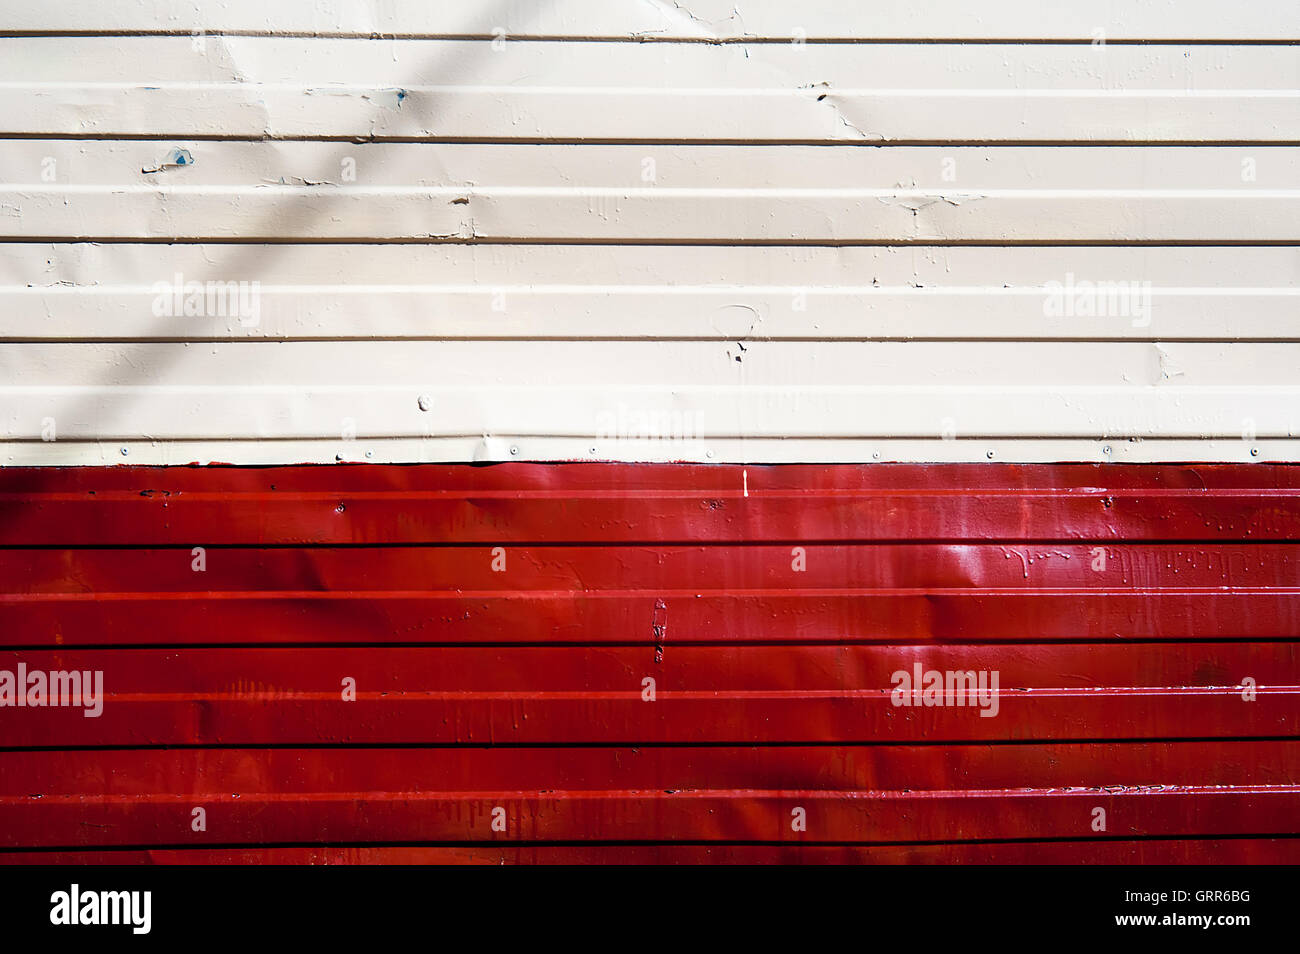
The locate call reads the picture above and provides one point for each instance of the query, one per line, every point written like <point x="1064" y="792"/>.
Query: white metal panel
<point x="327" y="65"/>
<point x="745" y="20"/>
<point x="502" y="446"/>
<point x="433" y="89"/>
<point x="714" y="193"/>
<point x="89" y="292"/>
<point x="715" y="216"/>
<point x="820" y="251"/>
<point x="100" y="162"/>
<point x="911" y="366"/>
<point x="700" y="390"/>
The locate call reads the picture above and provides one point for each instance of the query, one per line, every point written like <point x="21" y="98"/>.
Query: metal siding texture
<point x="648" y="231"/>
<point x="669" y="235"/>
<point x="771" y="605"/>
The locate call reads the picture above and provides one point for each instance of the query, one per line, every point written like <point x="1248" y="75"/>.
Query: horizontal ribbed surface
<point x="499" y="623"/>
<point x="403" y="232"/>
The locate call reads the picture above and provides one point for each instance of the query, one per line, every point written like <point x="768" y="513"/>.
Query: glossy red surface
<point x="500" y="623"/>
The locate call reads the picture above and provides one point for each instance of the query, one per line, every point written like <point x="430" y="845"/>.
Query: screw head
<point x="514" y="451"/>
<point x="125" y="451"/>
<point x="1254" y="452"/>
<point x="989" y="455"/>
<point x="425" y="402"/>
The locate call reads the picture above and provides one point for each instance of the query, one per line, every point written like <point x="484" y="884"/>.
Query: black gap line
<point x="655" y="339"/>
<point x="622" y="744"/>
<point x="678" y="543"/>
<point x="192" y="136"/>
<point x="940" y="643"/>
<point x="662" y="243"/>
<point x="635" y="38"/>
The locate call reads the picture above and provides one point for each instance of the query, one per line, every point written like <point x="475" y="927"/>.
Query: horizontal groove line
<point x="718" y="242"/>
<point x="725" y="744"/>
<point x="191" y="136"/>
<point x="644" y="339"/>
<point x="689" y="542"/>
<point x="157" y="797"/>
<point x="548" y="466"/>
<point x="525" y="495"/>
<point x="664" y="194"/>
<point x="503" y="846"/>
<point x="403" y="695"/>
<point x="634" y="38"/>
<point x="650" y="643"/>
<point x="752" y="439"/>
<point x="577" y="243"/>
<point x="648" y="339"/>
<point x="643" y="592"/>
<point x="556" y="466"/>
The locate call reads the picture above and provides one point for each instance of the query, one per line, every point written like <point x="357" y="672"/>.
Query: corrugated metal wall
<point x="762" y="231"/>
<point x="655" y="663"/>
<point x="650" y="231"/>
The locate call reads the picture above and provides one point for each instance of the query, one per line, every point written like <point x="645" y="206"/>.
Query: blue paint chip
<point x="177" y="157"/>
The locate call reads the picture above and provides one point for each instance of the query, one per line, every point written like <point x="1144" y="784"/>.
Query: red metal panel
<point x="834" y="816"/>
<point x="862" y="794"/>
<point x="332" y="771"/>
<point x="566" y="695"/>
<point x="887" y="592"/>
<point x="596" y="617"/>
<point x="599" y="503"/>
<point x="1141" y="622"/>
<point x="657" y="569"/>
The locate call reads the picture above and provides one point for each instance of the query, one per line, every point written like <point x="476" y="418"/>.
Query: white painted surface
<point x="653" y="92"/>
<point x="699" y="19"/>
<point x="720" y="245"/>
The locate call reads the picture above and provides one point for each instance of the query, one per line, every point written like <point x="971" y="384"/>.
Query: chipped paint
<point x="175" y="159"/>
